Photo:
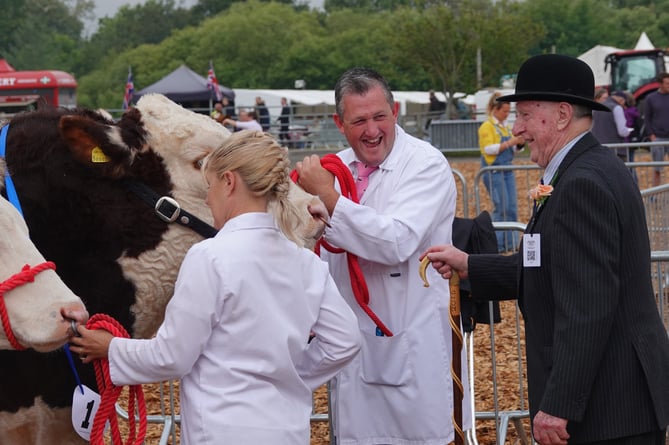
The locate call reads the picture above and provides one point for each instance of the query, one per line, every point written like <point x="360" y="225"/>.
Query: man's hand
<point x="447" y="258"/>
<point x="549" y="430"/>
<point x="317" y="180"/>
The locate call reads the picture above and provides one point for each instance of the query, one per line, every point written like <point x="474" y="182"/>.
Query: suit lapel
<point x="585" y="143"/>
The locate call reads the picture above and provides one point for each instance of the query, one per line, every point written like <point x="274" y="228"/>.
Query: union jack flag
<point x="129" y="90"/>
<point x="212" y="82"/>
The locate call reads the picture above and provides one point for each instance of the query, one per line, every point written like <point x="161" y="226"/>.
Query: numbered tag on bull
<point x="84" y="407"/>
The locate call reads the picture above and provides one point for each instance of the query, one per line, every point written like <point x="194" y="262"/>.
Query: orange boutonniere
<point x="540" y="193"/>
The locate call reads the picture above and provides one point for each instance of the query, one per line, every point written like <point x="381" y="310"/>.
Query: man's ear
<point x="565" y="113"/>
<point x="338" y="122"/>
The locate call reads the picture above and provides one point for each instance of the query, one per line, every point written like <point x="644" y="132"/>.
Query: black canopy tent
<point x="186" y="87"/>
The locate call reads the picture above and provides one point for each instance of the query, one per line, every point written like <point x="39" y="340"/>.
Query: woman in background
<point x="498" y="147"/>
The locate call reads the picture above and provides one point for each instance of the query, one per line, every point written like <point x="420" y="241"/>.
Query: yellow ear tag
<point x="99" y="156"/>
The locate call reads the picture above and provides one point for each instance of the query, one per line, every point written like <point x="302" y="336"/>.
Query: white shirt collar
<point x="552" y="167"/>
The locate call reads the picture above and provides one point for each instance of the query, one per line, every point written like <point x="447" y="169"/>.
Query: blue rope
<point x="9" y="184"/>
<point x="68" y="353"/>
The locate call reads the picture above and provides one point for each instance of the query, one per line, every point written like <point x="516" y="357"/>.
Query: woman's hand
<point x="91" y="344"/>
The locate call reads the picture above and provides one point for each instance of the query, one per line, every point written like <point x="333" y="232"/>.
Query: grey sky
<point x="108" y="8"/>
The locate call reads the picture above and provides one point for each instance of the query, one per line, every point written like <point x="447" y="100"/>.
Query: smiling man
<point x="399" y="389"/>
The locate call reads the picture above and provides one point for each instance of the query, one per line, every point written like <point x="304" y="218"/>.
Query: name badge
<point x="532" y="250"/>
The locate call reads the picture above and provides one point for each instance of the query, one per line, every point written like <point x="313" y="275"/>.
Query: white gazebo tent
<point x="644" y="42"/>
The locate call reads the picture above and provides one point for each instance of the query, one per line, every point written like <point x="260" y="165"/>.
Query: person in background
<point x="245" y="305"/>
<point x="633" y="120"/>
<point x="247" y="121"/>
<point x="398" y="390"/>
<point x="284" y="121"/>
<point x="656" y="120"/>
<point x="498" y="147"/>
<point x="435" y="109"/>
<point x="610" y="127"/>
<point x="217" y="112"/>
<point x="262" y="114"/>
<point x="228" y="108"/>
<point x="597" y="351"/>
<point x="601" y="94"/>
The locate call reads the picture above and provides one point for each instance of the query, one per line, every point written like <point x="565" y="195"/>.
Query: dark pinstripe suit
<point x="597" y="352"/>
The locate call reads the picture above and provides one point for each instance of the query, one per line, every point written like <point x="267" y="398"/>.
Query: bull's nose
<point x="75" y="313"/>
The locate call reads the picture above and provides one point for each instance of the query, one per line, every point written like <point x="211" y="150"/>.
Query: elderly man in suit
<point x="597" y="352"/>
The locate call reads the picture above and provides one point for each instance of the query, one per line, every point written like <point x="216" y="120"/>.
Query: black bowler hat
<point x="555" y="78"/>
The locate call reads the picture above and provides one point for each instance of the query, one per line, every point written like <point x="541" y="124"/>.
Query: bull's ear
<point x="96" y="144"/>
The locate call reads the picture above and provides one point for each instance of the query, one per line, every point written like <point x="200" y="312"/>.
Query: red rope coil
<point x="27" y="275"/>
<point x="109" y="394"/>
<point x="334" y="165"/>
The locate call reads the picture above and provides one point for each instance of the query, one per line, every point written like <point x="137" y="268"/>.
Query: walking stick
<point x="456" y="343"/>
<point x="456" y="366"/>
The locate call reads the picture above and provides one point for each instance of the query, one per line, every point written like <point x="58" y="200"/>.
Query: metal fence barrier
<point x="455" y="135"/>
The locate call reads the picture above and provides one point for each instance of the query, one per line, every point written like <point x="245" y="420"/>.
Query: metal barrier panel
<point x="656" y="204"/>
<point x="503" y="417"/>
<point x="462" y="195"/>
<point x="455" y="135"/>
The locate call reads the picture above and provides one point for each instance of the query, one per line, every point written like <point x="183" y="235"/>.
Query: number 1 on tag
<point x="84" y="408"/>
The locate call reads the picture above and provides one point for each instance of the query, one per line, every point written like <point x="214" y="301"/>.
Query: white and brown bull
<point x="89" y="187"/>
<point x="36" y="306"/>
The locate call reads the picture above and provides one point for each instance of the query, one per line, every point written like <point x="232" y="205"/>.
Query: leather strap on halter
<point x="27" y="275"/>
<point x="334" y="165"/>
<point x="168" y="209"/>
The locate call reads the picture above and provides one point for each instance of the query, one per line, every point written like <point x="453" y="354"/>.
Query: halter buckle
<point x="167" y="209"/>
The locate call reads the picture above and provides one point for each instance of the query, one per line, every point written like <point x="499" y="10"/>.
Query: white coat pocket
<point x="385" y="360"/>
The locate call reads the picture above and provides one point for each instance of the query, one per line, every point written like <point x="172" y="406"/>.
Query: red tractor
<point x="635" y="71"/>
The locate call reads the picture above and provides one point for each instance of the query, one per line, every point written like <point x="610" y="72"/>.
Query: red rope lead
<point x="27" y="275"/>
<point x="334" y="165"/>
<point x="109" y="393"/>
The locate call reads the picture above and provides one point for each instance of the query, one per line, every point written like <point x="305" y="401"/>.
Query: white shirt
<point x="236" y="334"/>
<point x="248" y="125"/>
<point x="398" y="390"/>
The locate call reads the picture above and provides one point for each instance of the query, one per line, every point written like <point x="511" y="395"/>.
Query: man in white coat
<point x="399" y="389"/>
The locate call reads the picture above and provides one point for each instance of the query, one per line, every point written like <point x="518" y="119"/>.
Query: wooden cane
<point x="456" y="366"/>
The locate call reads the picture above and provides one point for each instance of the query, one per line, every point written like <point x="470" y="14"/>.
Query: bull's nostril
<point x="75" y="315"/>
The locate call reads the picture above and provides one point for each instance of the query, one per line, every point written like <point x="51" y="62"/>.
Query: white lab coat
<point x="398" y="390"/>
<point x="236" y="334"/>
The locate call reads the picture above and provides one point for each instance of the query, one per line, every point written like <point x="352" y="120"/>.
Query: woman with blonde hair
<point x="498" y="146"/>
<point x="246" y="302"/>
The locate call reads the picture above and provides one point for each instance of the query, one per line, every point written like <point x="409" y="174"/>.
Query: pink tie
<point x="363" y="178"/>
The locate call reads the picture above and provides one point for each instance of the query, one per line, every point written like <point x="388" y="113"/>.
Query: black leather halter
<point x="168" y="209"/>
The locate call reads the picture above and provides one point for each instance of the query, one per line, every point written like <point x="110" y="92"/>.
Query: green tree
<point x="506" y="42"/>
<point x="367" y="5"/>
<point x="574" y="26"/>
<point x="11" y="19"/>
<point x="150" y="22"/>
<point x="443" y="39"/>
<point x="60" y="26"/>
